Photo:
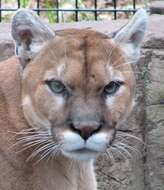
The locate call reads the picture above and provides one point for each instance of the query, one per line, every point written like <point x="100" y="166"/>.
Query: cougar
<point x="63" y="97"/>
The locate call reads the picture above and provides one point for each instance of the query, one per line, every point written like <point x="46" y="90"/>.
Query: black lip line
<point x="83" y="149"/>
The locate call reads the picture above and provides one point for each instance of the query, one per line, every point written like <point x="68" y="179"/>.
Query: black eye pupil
<point x="112" y="87"/>
<point x="56" y="86"/>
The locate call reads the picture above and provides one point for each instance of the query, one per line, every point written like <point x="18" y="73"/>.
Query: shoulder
<point x="10" y="70"/>
<point x="10" y="92"/>
<point x="10" y="79"/>
<point x="9" y="64"/>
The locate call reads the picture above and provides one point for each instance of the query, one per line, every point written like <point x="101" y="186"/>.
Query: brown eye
<point x="56" y="86"/>
<point x="112" y="87"/>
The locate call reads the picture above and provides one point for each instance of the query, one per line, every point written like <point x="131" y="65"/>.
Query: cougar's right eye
<point x="112" y="87"/>
<point x="56" y="86"/>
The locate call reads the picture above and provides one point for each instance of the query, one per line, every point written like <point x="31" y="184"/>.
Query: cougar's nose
<point x="85" y="131"/>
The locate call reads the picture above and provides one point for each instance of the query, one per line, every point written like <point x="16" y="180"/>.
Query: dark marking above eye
<point x="93" y="75"/>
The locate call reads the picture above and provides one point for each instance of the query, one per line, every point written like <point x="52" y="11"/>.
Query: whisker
<point x="25" y="130"/>
<point x="31" y="132"/>
<point x="110" y="155"/>
<point x="122" y="64"/>
<point x="52" y="154"/>
<point x="71" y="164"/>
<point x="32" y="144"/>
<point x="37" y="151"/>
<point x="131" y="148"/>
<point x="24" y="143"/>
<point x="41" y="142"/>
<point x="31" y="138"/>
<point x="44" y="154"/>
<point x="115" y="63"/>
<point x="126" y="71"/>
<point x="124" y="150"/>
<point x="124" y="134"/>
<point x="121" y="153"/>
<point x="111" y="51"/>
<point x="36" y="141"/>
<point x="52" y="149"/>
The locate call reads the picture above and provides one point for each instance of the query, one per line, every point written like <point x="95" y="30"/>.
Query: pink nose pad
<point x="86" y="131"/>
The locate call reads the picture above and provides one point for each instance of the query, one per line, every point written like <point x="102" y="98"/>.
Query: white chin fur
<point x="85" y="156"/>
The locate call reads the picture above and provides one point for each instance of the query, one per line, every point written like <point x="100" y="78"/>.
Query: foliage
<point x="24" y="3"/>
<point x="50" y="14"/>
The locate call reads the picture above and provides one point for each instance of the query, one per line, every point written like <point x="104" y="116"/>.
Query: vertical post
<point x="76" y="11"/>
<point x="18" y="4"/>
<point x="95" y="9"/>
<point x="38" y="6"/>
<point x="134" y="5"/>
<point x="57" y="12"/>
<point x="115" y="6"/>
<point x="0" y="12"/>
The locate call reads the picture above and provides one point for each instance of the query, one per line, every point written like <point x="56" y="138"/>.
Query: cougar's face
<point x="76" y="92"/>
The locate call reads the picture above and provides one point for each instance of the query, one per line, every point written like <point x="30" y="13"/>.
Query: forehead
<point x="82" y="56"/>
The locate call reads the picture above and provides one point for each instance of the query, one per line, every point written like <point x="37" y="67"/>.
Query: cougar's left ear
<point x="131" y="36"/>
<point x="30" y="34"/>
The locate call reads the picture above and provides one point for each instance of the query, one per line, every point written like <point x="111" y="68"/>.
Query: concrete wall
<point x="147" y="120"/>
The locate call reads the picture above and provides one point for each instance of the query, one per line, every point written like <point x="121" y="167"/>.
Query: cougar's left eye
<point x="56" y="86"/>
<point x="112" y="87"/>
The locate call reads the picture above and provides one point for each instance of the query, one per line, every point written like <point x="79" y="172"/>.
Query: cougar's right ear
<point x="130" y="37"/>
<point x="30" y="34"/>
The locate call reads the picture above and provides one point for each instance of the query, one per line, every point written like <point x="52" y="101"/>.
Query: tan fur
<point x="86" y="55"/>
<point x="79" y="73"/>
<point x="85" y="62"/>
<point x="16" y="173"/>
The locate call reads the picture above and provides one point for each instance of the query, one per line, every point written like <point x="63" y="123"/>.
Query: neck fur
<point x="65" y="174"/>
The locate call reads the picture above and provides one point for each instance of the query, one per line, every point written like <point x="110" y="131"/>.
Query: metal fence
<point x="57" y="9"/>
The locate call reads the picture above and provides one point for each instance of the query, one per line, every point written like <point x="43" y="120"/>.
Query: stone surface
<point x="157" y="7"/>
<point x="6" y="42"/>
<point x="154" y="131"/>
<point x="147" y="120"/>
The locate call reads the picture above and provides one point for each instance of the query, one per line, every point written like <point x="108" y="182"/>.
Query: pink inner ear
<point x="25" y="35"/>
<point x="136" y="37"/>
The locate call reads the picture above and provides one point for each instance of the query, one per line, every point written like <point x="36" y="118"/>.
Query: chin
<point x="81" y="154"/>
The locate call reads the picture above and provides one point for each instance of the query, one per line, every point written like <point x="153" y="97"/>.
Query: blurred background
<point x="73" y="10"/>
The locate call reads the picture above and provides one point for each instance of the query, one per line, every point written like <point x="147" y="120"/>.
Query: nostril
<point x="96" y="130"/>
<point x="85" y="131"/>
<point x="75" y="129"/>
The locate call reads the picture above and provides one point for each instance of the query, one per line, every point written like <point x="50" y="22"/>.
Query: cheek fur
<point x="47" y="102"/>
<point x="34" y="118"/>
<point x="118" y="104"/>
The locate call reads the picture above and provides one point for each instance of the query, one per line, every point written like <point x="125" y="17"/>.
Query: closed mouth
<point x="84" y="151"/>
<point x="82" y="154"/>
